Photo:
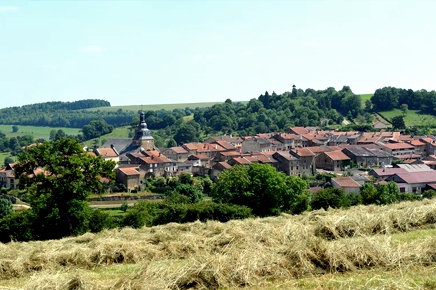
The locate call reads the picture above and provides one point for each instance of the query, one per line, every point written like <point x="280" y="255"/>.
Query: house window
<point x="151" y="165"/>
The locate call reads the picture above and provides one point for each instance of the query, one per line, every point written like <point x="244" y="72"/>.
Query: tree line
<point x="389" y="98"/>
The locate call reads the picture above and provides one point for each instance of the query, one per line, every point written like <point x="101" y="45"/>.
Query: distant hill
<point x="80" y="113"/>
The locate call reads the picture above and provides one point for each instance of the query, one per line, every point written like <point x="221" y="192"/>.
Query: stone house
<point x="129" y="176"/>
<point x="257" y="144"/>
<point x="347" y="183"/>
<point x="333" y="160"/>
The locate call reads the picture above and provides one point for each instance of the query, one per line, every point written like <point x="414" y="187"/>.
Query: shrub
<point x="17" y="226"/>
<point x="330" y="197"/>
<point x="5" y="207"/>
<point x="100" y="220"/>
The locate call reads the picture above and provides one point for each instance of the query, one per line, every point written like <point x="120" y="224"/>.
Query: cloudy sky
<point x="155" y="52"/>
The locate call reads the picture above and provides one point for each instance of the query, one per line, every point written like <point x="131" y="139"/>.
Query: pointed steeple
<point x="143" y="135"/>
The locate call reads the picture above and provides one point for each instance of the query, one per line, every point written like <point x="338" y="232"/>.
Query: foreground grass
<point x="377" y="247"/>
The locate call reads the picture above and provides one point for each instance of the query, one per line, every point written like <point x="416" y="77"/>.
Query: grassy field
<point x="412" y="117"/>
<point x="3" y="157"/>
<point x="36" y="132"/>
<point x="365" y="247"/>
<point x="170" y="107"/>
<point x="364" y="98"/>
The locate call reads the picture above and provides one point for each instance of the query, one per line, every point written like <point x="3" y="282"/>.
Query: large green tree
<point x="59" y="176"/>
<point x="261" y="188"/>
<point x="398" y="122"/>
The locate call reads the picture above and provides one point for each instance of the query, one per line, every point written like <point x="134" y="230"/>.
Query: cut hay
<point x="235" y="254"/>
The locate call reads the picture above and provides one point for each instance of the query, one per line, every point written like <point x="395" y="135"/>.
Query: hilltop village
<point x="300" y="151"/>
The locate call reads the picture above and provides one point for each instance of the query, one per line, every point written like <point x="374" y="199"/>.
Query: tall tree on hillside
<point x="59" y="176"/>
<point x="398" y="122"/>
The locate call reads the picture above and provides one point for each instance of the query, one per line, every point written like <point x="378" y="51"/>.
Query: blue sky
<point x="155" y="52"/>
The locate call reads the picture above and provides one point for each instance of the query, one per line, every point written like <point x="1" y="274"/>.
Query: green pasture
<point x="412" y="117"/>
<point x="168" y="107"/>
<point x="119" y="132"/>
<point x="364" y="98"/>
<point x="3" y="156"/>
<point x="36" y="131"/>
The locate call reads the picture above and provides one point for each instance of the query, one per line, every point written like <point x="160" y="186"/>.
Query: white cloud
<point x="8" y="8"/>
<point x="90" y="48"/>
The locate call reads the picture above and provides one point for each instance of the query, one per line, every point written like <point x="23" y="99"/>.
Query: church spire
<point x="143" y="135"/>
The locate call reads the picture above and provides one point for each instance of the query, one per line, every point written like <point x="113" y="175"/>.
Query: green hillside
<point x="412" y="117"/>
<point x="36" y="131"/>
<point x="169" y="107"/>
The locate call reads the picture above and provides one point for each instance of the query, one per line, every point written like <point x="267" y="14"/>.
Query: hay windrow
<point x="236" y="254"/>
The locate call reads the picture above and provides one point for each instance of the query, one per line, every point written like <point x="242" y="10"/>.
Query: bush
<point x="430" y="193"/>
<point x="330" y="197"/>
<point x="100" y="220"/>
<point x="141" y="214"/>
<point x="5" y="207"/>
<point x="190" y="191"/>
<point x="17" y="226"/>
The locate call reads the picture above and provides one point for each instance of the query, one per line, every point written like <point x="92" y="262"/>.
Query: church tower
<point x="143" y="136"/>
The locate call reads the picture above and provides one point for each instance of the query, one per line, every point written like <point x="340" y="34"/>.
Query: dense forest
<point x="63" y="114"/>
<point x="389" y="98"/>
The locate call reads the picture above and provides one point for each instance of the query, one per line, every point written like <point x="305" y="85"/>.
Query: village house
<point x="306" y="160"/>
<point x="333" y="161"/>
<point x="419" y="147"/>
<point x="7" y="177"/>
<point x="257" y="144"/>
<point x="414" y="182"/>
<point x="217" y="168"/>
<point x="129" y="176"/>
<point x="430" y="145"/>
<point x="398" y="149"/>
<point x="288" y="140"/>
<point x="178" y="153"/>
<point x="367" y="157"/>
<point x="233" y="140"/>
<point x="108" y="153"/>
<point x="347" y="183"/>
<point x="226" y="155"/>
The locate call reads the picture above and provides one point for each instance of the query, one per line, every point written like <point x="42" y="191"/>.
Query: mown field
<point x="170" y="107"/>
<point x="35" y="131"/>
<point x="412" y="118"/>
<point x="365" y="247"/>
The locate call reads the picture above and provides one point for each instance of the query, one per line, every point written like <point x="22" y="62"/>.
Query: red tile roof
<point x="107" y="152"/>
<point x="346" y="181"/>
<point x="397" y="146"/>
<point x="129" y="170"/>
<point x="417" y="143"/>
<point x="337" y="155"/>
<point x="303" y="152"/>
<point x="179" y="150"/>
